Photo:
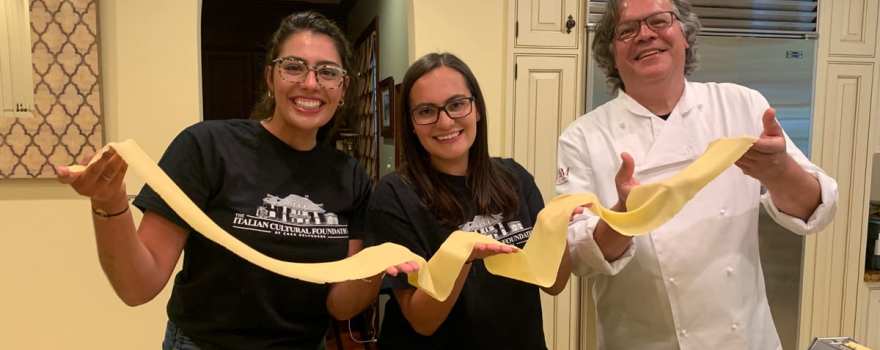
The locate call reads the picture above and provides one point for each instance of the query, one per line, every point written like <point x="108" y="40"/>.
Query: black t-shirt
<point x="288" y="204"/>
<point x="491" y="312"/>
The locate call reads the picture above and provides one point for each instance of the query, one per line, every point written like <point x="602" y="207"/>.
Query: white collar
<point x="688" y="101"/>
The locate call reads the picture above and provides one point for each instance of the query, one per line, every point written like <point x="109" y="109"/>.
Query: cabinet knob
<point x="570" y="23"/>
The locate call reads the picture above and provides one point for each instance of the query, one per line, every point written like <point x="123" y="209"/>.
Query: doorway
<point x="234" y="37"/>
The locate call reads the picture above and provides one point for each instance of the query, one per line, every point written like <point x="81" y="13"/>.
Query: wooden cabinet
<point x="547" y="24"/>
<point x="544" y="104"/>
<point x="853" y="29"/>
<point x="841" y="134"/>
<point x="872" y="340"/>
<point x="543" y="95"/>
<point x="835" y="300"/>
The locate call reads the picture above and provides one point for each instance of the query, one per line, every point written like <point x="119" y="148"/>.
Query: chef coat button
<point x="672" y="280"/>
<point x="729" y="271"/>
<point x="734" y="326"/>
<point x="723" y="212"/>
<point x="684" y="333"/>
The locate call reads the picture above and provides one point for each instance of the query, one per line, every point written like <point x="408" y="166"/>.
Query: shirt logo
<point x="293" y="216"/>
<point x="511" y="232"/>
<point x="562" y="176"/>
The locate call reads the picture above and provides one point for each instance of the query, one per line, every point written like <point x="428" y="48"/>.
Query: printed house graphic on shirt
<point x="511" y="232"/>
<point x="295" y="210"/>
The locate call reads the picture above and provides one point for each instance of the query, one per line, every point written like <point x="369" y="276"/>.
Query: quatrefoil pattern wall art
<point x="67" y="122"/>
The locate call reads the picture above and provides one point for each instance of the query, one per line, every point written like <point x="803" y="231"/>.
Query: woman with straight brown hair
<point x="449" y="182"/>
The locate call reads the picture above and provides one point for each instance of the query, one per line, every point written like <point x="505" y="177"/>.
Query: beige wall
<point x="474" y="31"/>
<point x="54" y="295"/>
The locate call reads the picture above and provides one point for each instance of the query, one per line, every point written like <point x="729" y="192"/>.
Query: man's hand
<point x="766" y="160"/>
<point x="624" y="180"/>
<point x="793" y="190"/>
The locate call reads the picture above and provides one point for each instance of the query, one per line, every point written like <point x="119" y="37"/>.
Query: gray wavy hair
<point x="603" y="43"/>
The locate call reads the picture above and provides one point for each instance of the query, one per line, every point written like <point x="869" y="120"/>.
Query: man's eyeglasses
<point x="296" y="70"/>
<point x="630" y="29"/>
<point x="429" y="114"/>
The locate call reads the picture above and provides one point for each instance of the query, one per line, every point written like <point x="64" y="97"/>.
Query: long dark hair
<point x="317" y="23"/>
<point x="493" y="188"/>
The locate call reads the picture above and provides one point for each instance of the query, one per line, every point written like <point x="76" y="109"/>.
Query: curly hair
<point x="603" y="43"/>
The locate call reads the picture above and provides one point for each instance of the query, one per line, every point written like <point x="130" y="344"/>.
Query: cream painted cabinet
<point x="872" y="340"/>
<point x="543" y="94"/>
<point x="853" y="27"/>
<point x="835" y="300"/>
<point x="544" y="104"/>
<point x="547" y="23"/>
<point x="843" y="133"/>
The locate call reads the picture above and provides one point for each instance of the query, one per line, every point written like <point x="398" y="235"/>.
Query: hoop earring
<point x="269" y="93"/>
<point x="341" y="103"/>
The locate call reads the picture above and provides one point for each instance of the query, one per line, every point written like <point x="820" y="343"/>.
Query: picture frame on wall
<point x="387" y="106"/>
<point x="398" y="113"/>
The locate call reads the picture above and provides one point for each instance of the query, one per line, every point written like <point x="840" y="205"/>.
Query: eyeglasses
<point x="656" y="22"/>
<point x="429" y="114"/>
<point x="296" y="70"/>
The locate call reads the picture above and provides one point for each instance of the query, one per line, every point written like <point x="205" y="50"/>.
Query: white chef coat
<point x="696" y="282"/>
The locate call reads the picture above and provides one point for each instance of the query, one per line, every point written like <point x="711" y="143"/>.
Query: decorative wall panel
<point x="67" y="122"/>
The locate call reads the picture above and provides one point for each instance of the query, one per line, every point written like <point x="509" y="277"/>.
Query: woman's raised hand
<point x="101" y="180"/>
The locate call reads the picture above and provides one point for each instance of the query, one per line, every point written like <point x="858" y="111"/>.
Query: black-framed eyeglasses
<point x="656" y="22"/>
<point x="429" y="114"/>
<point x="296" y="70"/>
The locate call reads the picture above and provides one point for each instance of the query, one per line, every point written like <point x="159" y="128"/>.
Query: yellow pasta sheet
<point x="537" y="263"/>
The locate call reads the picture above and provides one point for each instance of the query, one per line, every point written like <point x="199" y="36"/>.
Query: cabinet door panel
<point x="841" y="127"/>
<point x="873" y="339"/>
<point x="853" y="27"/>
<point x="543" y="23"/>
<point x="545" y="96"/>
